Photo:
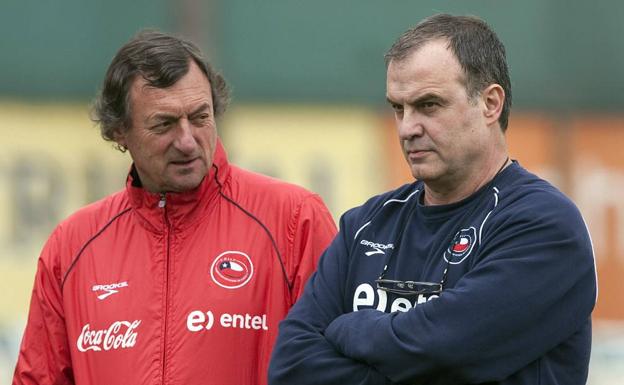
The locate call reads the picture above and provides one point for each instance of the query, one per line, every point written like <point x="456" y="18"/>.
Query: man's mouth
<point x="417" y="154"/>
<point x="184" y="162"/>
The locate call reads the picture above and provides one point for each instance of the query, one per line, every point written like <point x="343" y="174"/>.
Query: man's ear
<point x="119" y="136"/>
<point x="493" y="97"/>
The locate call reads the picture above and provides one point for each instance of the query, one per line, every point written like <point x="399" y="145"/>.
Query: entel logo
<point x="198" y="320"/>
<point x="366" y="296"/>
<point x="376" y="246"/>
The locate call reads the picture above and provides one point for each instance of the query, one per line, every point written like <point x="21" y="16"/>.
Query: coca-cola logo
<point x="120" y="335"/>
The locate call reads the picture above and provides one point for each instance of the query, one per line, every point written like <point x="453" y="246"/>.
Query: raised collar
<point x="179" y="210"/>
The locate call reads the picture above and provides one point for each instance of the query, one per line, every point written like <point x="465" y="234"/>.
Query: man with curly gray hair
<point x="182" y="277"/>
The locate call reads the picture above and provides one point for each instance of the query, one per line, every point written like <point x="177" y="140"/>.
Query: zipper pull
<point x="162" y="201"/>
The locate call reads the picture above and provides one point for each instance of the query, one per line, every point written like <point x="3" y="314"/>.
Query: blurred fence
<point x="53" y="161"/>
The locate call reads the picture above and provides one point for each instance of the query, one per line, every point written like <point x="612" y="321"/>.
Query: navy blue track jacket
<point x="515" y="307"/>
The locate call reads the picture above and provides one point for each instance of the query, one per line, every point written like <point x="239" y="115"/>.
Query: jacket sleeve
<point x="44" y="357"/>
<point x="312" y="231"/>
<point x="302" y="355"/>
<point x="532" y="288"/>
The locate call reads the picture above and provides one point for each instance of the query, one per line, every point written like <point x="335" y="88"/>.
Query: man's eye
<point x="162" y="126"/>
<point x="201" y="119"/>
<point x="429" y="106"/>
<point x="397" y="107"/>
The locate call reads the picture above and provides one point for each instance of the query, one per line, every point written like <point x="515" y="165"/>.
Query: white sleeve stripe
<point x="488" y="214"/>
<point x="483" y="223"/>
<point x="385" y="203"/>
<point x="400" y="200"/>
<point x="360" y="229"/>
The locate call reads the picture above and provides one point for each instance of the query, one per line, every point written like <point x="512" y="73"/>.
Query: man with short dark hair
<point x="182" y="277"/>
<point x="478" y="272"/>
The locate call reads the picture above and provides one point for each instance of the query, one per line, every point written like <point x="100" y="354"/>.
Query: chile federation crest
<point x="231" y="269"/>
<point x="462" y="245"/>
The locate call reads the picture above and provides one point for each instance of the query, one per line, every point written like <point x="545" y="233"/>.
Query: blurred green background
<point x="563" y="54"/>
<point x="308" y="82"/>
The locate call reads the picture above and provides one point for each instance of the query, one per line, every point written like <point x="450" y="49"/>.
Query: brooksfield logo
<point x="378" y="248"/>
<point x="120" y="335"/>
<point x="108" y="289"/>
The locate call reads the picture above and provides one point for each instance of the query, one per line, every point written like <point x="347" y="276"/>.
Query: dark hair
<point x="161" y="60"/>
<point x="475" y="45"/>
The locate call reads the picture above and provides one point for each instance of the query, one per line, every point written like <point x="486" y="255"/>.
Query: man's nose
<point x="410" y="125"/>
<point x="185" y="140"/>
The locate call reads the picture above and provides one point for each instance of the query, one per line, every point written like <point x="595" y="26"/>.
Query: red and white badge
<point x="461" y="246"/>
<point x="231" y="269"/>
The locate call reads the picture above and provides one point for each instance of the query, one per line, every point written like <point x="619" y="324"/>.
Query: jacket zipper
<point x="163" y="205"/>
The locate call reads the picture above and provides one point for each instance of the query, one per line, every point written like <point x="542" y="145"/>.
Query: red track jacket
<point x="182" y="289"/>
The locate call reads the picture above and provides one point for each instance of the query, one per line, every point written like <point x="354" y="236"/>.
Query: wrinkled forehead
<point x="185" y="94"/>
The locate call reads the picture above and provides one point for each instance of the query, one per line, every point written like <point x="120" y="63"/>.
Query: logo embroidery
<point x="378" y="248"/>
<point x="462" y="246"/>
<point x="109" y="289"/>
<point x="120" y="335"/>
<point x="231" y="269"/>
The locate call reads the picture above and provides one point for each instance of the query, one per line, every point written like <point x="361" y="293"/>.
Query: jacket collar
<point x="179" y="209"/>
